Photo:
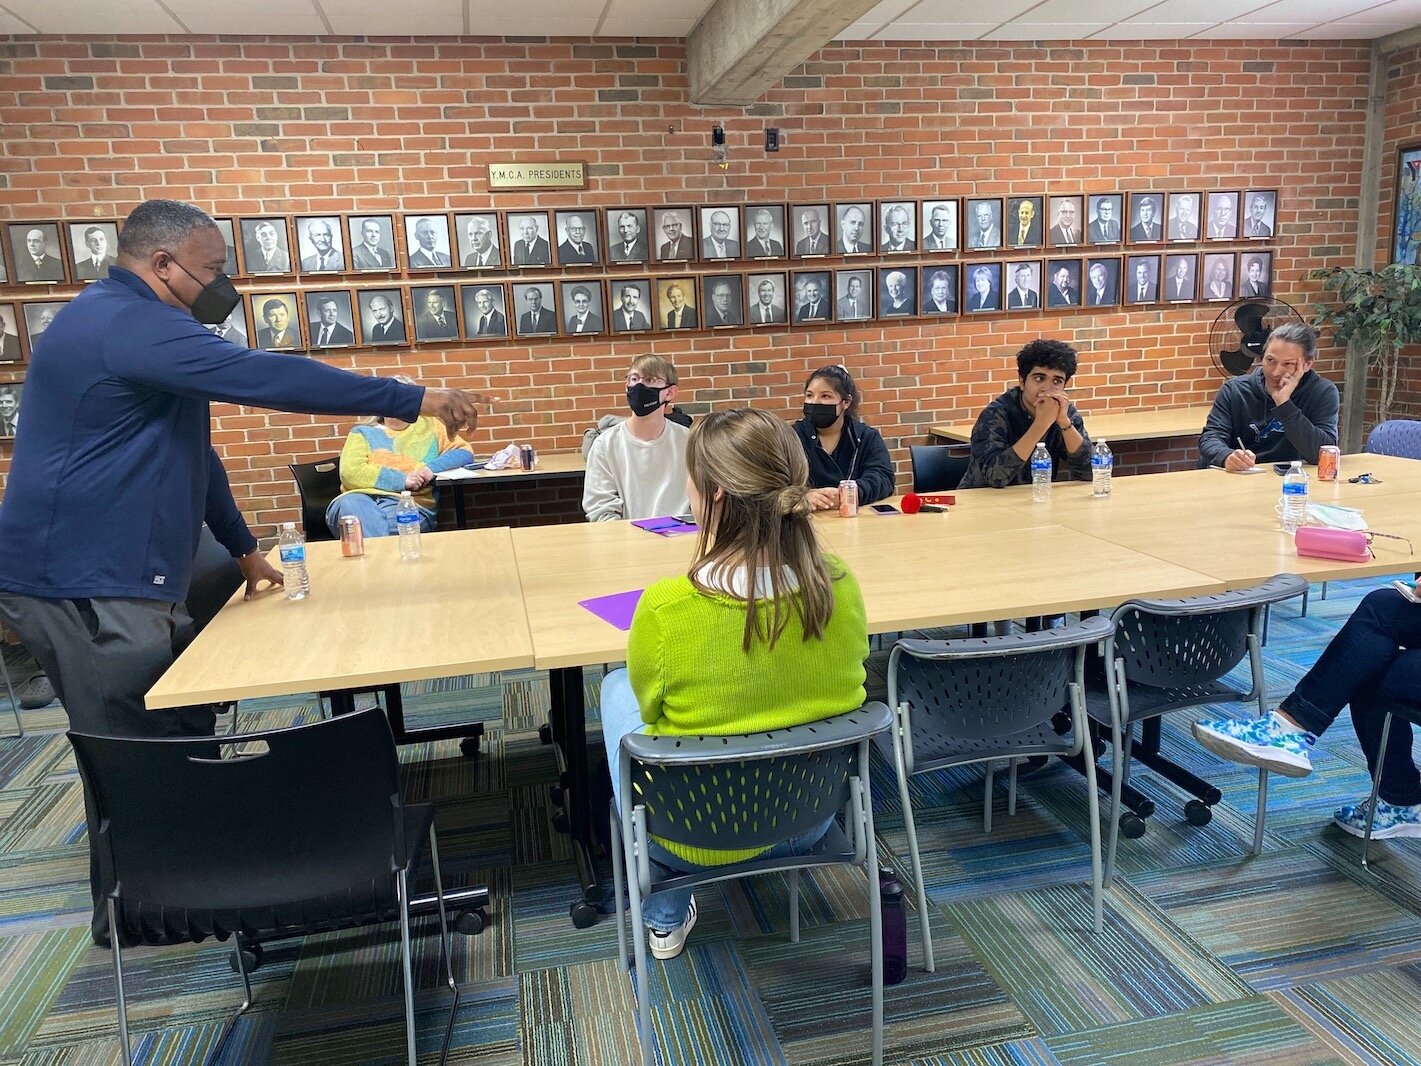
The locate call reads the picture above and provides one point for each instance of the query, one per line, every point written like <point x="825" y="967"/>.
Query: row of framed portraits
<point x="50" y="252"/>
<point x="376" y="316"/>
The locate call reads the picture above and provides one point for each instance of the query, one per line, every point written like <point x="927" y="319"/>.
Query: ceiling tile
<point x="1255" y="31"/>
<point x="10" y="24"/>
<point x="417" y="9"/>
<point x="1087" y="11"/>
<point x="912" y="31"/>
<point x="1023" y="30"/>
<point x="661" y="10"/>
<point x="1306" y="11"/>
<point x="398" y="24"/>
<point x="1150" y="31"/>
<point x="616" y="26"/>
<point x="1212" y="12"/>
<point x="287" y="25"/>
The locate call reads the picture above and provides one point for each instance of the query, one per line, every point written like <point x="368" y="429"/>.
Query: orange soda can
<point x="352" y="537"/>
<point x="1329" y="463"/>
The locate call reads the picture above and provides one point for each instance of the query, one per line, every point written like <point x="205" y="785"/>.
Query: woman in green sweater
<point x="765" y="631"/>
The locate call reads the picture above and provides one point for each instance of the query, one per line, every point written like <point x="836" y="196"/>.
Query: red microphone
<point x="914" y="502"/>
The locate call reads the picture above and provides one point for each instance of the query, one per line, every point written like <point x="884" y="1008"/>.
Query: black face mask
<point x="218" y="298"/>
<point x="821" y="415"/>
<point x="643" y="399"/>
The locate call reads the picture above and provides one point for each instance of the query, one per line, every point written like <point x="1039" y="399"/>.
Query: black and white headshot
<point x="1067" y="228"/>
<point x="1218" y="277"/>
<point x="1142" y="279"/>
<point x="723" y="300"/>
<point x="939" y="227"/>
<point x="330" y="322"/>
<point x="1146" y="217"/>
<point x="435" y="318"/>
<point x="35" y="251"/>
<point x="984" y="288"/>
<point x="318" y="239"/>
<point x="427" y="242"/>
<point x="382" y="318"/>
<point x="528" y="237"/>
<point x="278" y="321"/>
<point x="582" y="308"/>
<point x="676" y="303"/>
<point x="1223" y="216"/>
<point x="537" y="314"/>
<point x="939" y="295"/>
<point x="720" y="233"/>
<point x="1104" y="213"/>
<point x="1023" y="286"/>
<point x="10" y="394"/>
<point x="232" y="328"/>
<point x="577" y="237"/>
<point x="231" y="267"/>
<point x="811" y="228"/>
<point x="1023" y="222"/>
<point x="853" y="290"/>
<point x="1183" y="223"/>
<point x="95" y="245"/>
<point x="984" y="224"/>
<point x="812" y="297"/>
<point x="632" y="301"/>
<point x="626" y="236"/>
<point x="767" y="300"/>
<point x="674" y="240"/>
<point x="1255" y="274"/>
<point x="896" y="231"/>
<point x="477" y="238"/>
<point x="1102" y="282"/>
<point x="897" y="292"/>
<point x="484" y="314"/>
<point x="372" y="243"/>
<point x="38" y="316"/>
<point x="9" y="334"/>
<point x="1180" y="283"/>
<point x="1063" y="283"/>
<point x="764" y="231"/>
<point x="1260" y="207"/>
<point x="266" y="246"/>
<point x="851" y="230"/>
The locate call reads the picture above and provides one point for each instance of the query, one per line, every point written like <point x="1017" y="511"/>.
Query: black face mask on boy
<point x="821" y="415"/>
<point x="643" y="399"/>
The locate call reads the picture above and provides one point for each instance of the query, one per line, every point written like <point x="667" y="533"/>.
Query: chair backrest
<point x="1400" y="437"/>
<point x="192" y="840"/>
<point x="739" y="792"/>
<point x="215" y="576"/>
<point x="935" y="469"/>
<point x="319" y="484"/>
<point x="974" y="688"/>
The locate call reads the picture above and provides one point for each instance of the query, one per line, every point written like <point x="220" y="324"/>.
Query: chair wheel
<point x="1132" y="826"/>
<point x="560" y="822"/>
<point x="471" y="923"/>
<point x="470" y="745"/>
<point x="583" y="914"/>
<point x="1196" y="812"/>
<point x="555" y="793"/>
<point x="251" y="957"/>
<point x="545" y="734"/>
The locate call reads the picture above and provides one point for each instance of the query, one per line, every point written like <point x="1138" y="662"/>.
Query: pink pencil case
<point x="1344" y="545"/>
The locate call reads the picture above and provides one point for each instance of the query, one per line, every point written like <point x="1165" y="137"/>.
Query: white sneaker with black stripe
<point x="671" y="942"/>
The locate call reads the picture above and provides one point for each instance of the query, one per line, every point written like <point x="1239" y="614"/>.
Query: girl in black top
<point x="840" y="447"/>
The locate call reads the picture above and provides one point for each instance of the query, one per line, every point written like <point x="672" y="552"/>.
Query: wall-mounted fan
<point x="1240" y="332"/>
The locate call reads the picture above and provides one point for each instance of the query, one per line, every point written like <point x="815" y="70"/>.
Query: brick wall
<point x="1403" y="124"/>
<point x="93" y="126"/>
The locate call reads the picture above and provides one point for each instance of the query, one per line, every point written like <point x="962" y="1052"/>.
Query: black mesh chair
<point x="319" y="484"/>
<point x="984" y="700"/>
<point x="302" y="830"/>
<point x="740" y="792"/>
<point x="1169" y="655"/>
<point x="935" y="468"/>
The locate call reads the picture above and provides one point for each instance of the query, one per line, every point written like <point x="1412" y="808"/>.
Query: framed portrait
<point x="851" y="232"/>
<point x="382" y="316"/>
<point x="577" y="237"/>
<point x="1182" y="225"/>
<point x="36" y="252"/>
<point x="1066" y="218"/>
<point x="534" y="303"/>
<point x="723" y="300"/>
<point x="476" y="240"/>
<point x="984" y="288"/>
<point x="1063" y="283"/>
<point x="810" y="224"/>
<point x="11" y="395"/>
<point x="1223" y="216"/>
<point x="810" y="296"/>
<point x="1102" y="282"/>
<point x="631" y="305"/>
<point x="320" y="244"/>
<point x="764" y="231"/>
<point x="436" y="315"/>
<point x="1023" y="222"/>
<point x="939" y="225"/>
<point x="897" y="292"/>
<point x="10" y="348"/>
<point x="1142" y="279"/>
<point x="674" y="234"/>
<point x="38" y="315"/>
<point x="1103" y="213"/>
<point x="720" y="233"/>
<point x="485" y="311"/>
<point x="984" y="224"/>
<point x="676" y="303"/>
<point x="1406" y="205"/>
<point x="278" y="321"/>
<point x="94" y="246"/>
<point x="939" y="290"/>
<point x="4" y="268"/>
<point x="1146" y="218"/>
<point x="528" y="239"/>
<point x="372" y="242"/>
<point x="232" y="267"/>
<point x="767" y="299"/>
<point x="1180" y="284"/>
<point x="1255" y="274"/>
<point x="582" y="308"/>
<point x="853" y="295"/>
<point x="330" y="319"/>
<point x="266" y="246"/>
<point x="1260" y="219"/>
<point x="1218" y="278"/>
<point x="233" y="328"/>
<point x="427" y="242"/>
<point x="627" y="240"/>
<point x="897" y="226"/>
<point x="1023" y="282"/>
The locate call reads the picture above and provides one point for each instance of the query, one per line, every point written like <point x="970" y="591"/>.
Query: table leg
<point x="567" y="718"/>
<point x="461" y="518"/>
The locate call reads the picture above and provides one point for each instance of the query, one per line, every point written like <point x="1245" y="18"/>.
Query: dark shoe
<point x="34" y="693"/>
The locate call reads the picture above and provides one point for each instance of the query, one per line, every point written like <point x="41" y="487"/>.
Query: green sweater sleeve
<point x="646" y="667"/>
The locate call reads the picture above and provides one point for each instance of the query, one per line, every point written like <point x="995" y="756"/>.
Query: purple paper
<point x="617" y="608"/>
<point x="666" y="527"/>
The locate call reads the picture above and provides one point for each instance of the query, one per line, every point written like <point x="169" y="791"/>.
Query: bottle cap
<point x="405" y="493"/>
<point x="288" y="525"/>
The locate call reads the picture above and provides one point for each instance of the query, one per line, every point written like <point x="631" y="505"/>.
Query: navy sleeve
<point x="1313" y="424"/>
<point x="221" y="513"/>
<point x="1216" y="442"/>
<point x="876" y="480"/>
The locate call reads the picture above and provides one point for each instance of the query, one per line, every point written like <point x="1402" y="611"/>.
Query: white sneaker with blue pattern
<point x="1391" y="821"/>
<point x="1268" y="742"/>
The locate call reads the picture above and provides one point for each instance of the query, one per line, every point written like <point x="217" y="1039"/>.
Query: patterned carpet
<point x="1208" y="955"/>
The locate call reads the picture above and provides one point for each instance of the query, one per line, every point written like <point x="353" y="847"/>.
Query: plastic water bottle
<point x="292" y="547"/>
<point x="895" y="926"/>
<point x="1295" y="497"/>
<point x="1041" y="473"/>
<point x="1102" y="464"/>
<point x="407" y="522"/>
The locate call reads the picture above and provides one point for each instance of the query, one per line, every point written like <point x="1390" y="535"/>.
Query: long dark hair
<point x="842" y="382"/>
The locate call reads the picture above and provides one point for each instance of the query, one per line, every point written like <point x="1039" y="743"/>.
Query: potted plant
<point x="1378" y="312"/>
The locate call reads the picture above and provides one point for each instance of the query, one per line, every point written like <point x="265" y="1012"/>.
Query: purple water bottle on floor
<point x="895" y="927"/>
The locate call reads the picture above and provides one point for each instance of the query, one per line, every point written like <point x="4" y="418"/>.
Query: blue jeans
<point x="1370" y="665"/>
<point x="664" y="911"/>
<point x="376" y="514"/>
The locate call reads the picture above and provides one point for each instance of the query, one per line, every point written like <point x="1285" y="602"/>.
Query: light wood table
<point x="1156" y="423"/>
<point x="550" y="465"/>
